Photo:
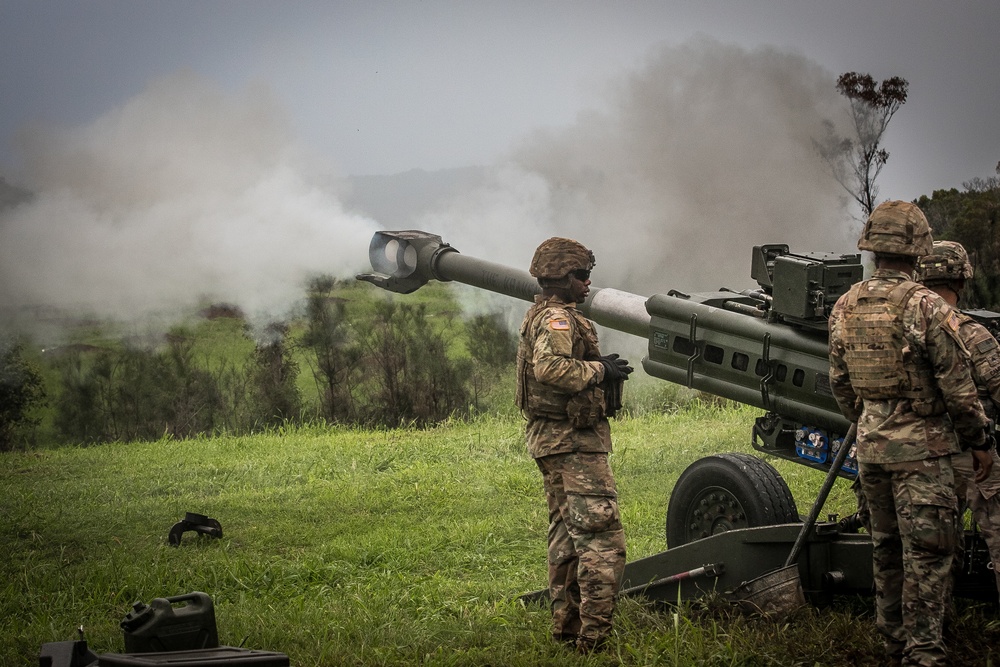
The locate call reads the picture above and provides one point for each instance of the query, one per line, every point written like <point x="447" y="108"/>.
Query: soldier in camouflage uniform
<point x="562" y="388"/>
<point x="898" y="369"/>
<point x="945" y="271"/>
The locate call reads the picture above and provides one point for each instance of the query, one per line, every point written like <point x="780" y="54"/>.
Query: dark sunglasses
<point x="582" y="275"/>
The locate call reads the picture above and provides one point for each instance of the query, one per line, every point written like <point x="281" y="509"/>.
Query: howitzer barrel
<point x="721" y="343"/>
<point x="404" y="261"/>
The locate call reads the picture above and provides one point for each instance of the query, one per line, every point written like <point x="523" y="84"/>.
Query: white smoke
<point x="704" y="152"/>
<point x="188" y="193"/>
<point x="184" y="194"/>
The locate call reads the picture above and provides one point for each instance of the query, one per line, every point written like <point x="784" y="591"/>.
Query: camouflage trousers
<point x="586" y="552"/>
<point x="985" y="510"/>
<point x="913" y="516"/>
<point x="864" y="514"/>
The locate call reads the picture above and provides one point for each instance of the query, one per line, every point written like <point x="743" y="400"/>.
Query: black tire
<point x="725" y="492"/>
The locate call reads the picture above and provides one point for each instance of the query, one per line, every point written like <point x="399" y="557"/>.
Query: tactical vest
<point x="880" y="363"/>
<point x="985" y="354"/>
<point x="534" y="398"/>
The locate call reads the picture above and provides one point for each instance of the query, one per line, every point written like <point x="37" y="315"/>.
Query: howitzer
<point x="987" y="318"/>
<point x="766" y="347"/>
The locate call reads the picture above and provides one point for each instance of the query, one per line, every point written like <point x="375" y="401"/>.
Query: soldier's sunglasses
<point x="583" y="275"/>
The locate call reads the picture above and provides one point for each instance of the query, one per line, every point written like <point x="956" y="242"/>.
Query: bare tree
<point x="856" y="162"/>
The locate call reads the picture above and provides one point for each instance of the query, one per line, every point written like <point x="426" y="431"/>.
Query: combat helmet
<point x="947" y="261"/>
<point x="897" y="228"/>
<point x="555" y="258"/>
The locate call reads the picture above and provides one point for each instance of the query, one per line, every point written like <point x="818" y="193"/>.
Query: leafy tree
<point x="856" y="162"/>
<point x="494" y="350"/>
<point x="274" y="374"/>
<point x="971" y="217"/>
<point x="411" y="378"/>
<point x="490" y="342"/>
<point x="21" y="391"/>
<point x="137" y="394"/>
<point x="327" y="336"/>
<point x="239" y="413"/>
<point x="79" y="416"/>
<point x="192" y="402"/>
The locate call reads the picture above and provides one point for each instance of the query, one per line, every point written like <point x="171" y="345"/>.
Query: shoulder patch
<point x="953" y="322"/>
<point x="559" y="324"/>
<point x="986" y="345"/>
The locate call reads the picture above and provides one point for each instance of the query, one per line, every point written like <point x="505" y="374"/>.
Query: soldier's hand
<point x="615" y="368"/>
<point x="982" y="461"/>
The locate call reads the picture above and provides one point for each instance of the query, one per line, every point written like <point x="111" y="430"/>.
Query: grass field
<point x="390" y="547"/>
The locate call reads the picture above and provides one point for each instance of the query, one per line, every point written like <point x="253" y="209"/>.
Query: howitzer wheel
<point x="725" y="492"/>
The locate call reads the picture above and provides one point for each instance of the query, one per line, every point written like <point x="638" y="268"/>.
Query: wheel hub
<point x="714" y="511"/>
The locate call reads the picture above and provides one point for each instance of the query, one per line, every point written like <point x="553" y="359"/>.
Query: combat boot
<point x="589" y="645"/>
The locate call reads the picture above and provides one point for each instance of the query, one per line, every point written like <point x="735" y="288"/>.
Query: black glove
<point x="985" y="447"/>
<point x="989" y="443"/>
<point x="615" y="369"/>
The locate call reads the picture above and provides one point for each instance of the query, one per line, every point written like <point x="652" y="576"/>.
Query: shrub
<point x="335" y="356"/>
<point x="411" y="378"/>
<point x="273" y="375"/>
<point x="138" y="394"/>
<point x="490" y="341"/>
<point x="21" y="392"/>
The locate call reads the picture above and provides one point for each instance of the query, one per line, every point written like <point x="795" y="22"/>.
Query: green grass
<point x="390" y="547"/>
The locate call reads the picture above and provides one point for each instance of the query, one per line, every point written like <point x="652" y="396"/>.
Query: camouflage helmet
<point x="897" y="228"/>
<point x="557" y="257"/>
<point x="948" y="261"/>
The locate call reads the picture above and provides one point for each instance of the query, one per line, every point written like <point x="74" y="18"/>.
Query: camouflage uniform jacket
<point x="889" y="429"/>
<point x="985" y="353"/>
<point x="557" y="363"/>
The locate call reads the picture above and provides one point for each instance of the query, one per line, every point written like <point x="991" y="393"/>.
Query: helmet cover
<point x="557" y="257"/>
<point x="947" y="261"/>
<point x="897" y="228"/>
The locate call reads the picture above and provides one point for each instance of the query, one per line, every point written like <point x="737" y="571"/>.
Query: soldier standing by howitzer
<point x="567" y="390"/>
<point x="945" y="271"/>
<point x="899" y="369"/>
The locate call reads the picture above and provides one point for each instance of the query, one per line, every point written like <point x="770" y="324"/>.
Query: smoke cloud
<point x="700" y="154"/>
<point x="190" y="193"/>
<point x="185" y="193"/>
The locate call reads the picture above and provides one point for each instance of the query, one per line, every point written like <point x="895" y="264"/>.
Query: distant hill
<point x="11" y="195"/>
<point x="395" y="200"/>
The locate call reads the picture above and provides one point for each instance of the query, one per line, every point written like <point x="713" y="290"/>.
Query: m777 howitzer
<point x="730" y="517"/>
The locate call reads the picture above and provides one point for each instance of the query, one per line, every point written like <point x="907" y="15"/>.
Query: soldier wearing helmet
<point x="567" y="390"/>
<point x="946" y="271"/>
<point x="899" y="369"/>
<point x="946" y="266"/>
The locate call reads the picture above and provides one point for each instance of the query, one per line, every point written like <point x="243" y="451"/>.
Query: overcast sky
<point x="184" y="149"/>
<point x="383" y="87"/>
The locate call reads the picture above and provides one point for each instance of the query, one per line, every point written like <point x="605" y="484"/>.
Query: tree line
<point x="971" y="216"/>
<point x="381" y="364"/>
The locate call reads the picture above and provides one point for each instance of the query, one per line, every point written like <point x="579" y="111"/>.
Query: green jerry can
<point x="179" y="623"/>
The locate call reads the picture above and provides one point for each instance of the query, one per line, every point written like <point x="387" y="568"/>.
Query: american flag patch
<point x="559" y="325"/>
